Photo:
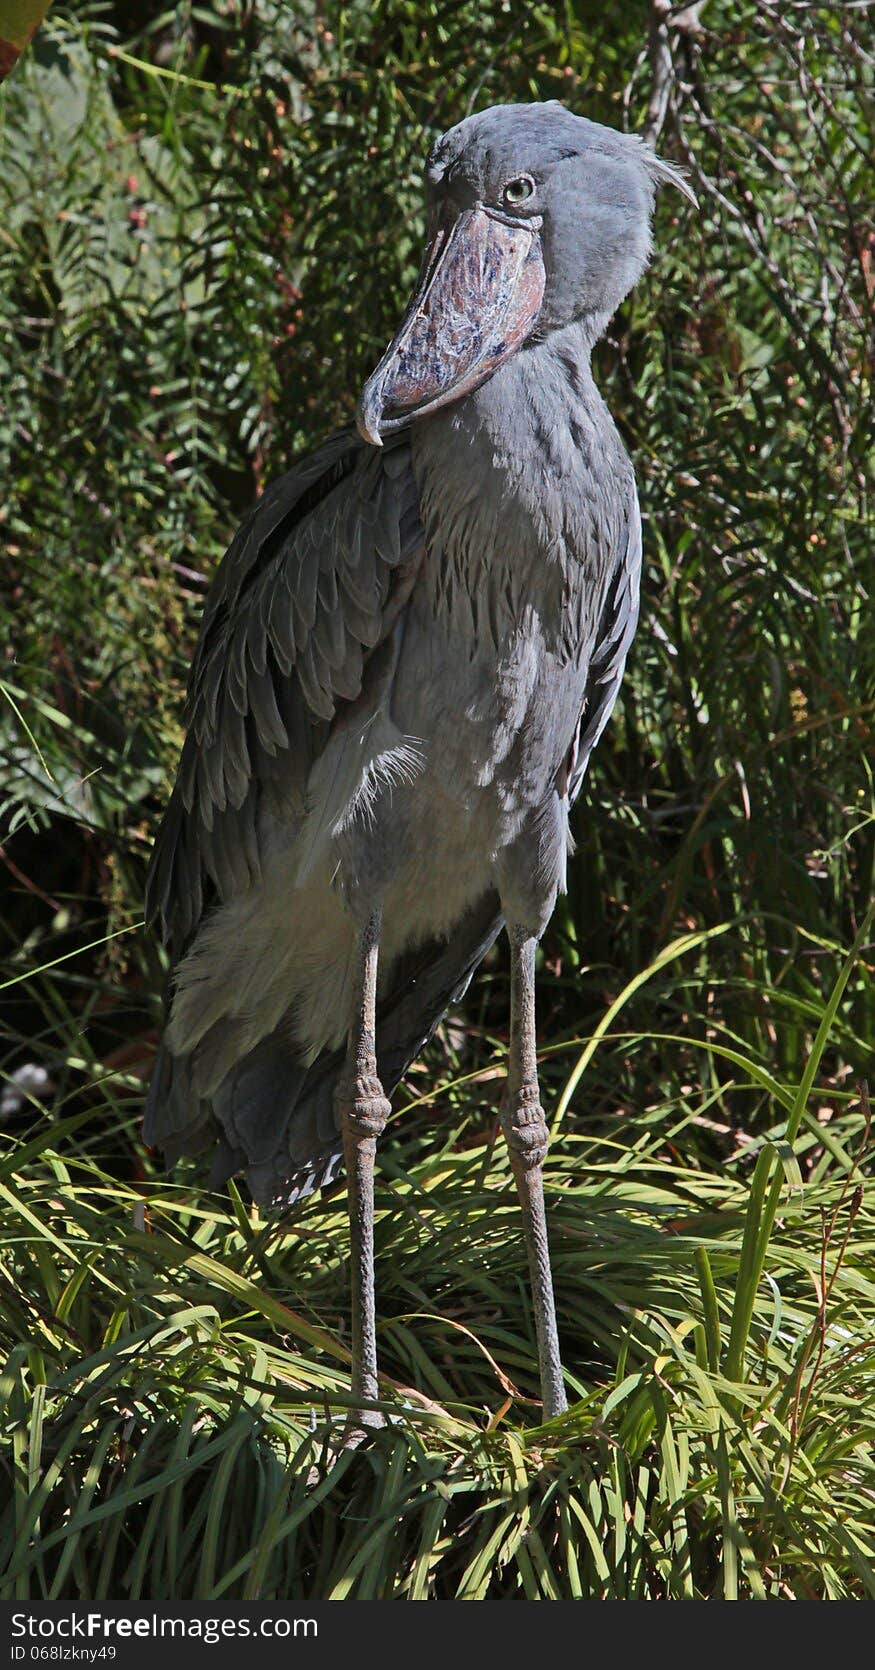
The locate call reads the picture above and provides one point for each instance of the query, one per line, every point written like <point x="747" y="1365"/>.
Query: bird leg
<point x="362" y="1111"/>
<point x="525" y="1129"/>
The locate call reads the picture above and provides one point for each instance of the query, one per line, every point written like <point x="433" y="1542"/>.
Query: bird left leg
<point x="362" y="1111"/>
<point x="525" y="1129"/>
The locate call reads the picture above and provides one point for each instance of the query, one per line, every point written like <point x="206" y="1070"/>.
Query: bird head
<point x="537" y="218"/>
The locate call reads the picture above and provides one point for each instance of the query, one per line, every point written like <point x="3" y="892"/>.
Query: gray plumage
<point x="407" y="657"/>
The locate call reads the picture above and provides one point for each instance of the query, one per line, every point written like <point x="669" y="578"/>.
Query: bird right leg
<point x="525" y="1130"/>
<point x="362" y="1111"/>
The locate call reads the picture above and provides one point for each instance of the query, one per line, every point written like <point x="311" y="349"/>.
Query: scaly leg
<point x="363" y="1111"/>
<point x="524" y="1126"/>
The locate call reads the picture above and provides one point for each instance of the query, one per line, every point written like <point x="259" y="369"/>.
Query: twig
<point x="662" y="20"/>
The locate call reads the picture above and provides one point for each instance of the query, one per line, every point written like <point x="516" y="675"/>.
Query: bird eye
<point x="518" y="191"/>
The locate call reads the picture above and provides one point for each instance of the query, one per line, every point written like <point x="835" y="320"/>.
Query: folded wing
<point x="307" y="592"/>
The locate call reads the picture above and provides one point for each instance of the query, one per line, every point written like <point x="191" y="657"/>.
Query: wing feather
<point x="308" y="589"/>
<point x="619" y="619"/>
<point x="270" y="730"/>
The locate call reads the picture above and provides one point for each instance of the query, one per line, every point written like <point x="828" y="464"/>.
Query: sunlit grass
<point x="176" y="1377"/>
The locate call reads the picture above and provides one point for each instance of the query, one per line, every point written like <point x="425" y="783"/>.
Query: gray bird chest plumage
<point x="528" y="503"/>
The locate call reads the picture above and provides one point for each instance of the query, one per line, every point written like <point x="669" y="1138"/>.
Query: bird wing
<point x="616" y="629"/>
<point x="308" y="590"/>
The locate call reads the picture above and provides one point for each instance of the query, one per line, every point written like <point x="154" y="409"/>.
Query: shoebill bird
<point x="407" y="657"/>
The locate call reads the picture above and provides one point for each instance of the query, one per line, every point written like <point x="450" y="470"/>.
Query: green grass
<point x="176" y="1373"/>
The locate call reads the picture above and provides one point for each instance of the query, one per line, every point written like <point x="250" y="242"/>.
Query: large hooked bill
<point x="477" y="300"/>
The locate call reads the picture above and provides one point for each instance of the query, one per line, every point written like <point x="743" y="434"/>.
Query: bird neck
<point x="547" y="387"/>
<point x="514" y="478"/>
<point x="582" y="334"/>
<point x="538" y="424"/>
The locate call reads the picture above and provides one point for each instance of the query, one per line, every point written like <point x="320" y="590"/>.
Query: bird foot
<point x="524" y="1126"/>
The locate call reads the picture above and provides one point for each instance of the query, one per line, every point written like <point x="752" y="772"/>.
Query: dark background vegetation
<point x="208" y="226"/>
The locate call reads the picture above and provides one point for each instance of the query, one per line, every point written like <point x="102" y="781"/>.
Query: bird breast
<point x="525" y="490"/>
